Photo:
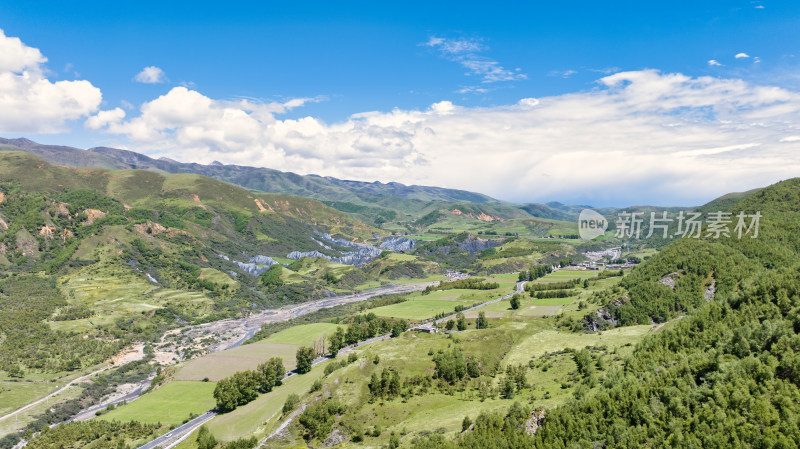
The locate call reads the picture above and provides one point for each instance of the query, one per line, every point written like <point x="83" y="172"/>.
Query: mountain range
<point x="371" y="200"/>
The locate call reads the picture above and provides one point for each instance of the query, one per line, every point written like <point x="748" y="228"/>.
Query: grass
<point x="400" y="257"/>
<point x="537" y="311"/>
<point x="20" y="420"/>
<point x="14" y="395"/>
<point x="114" y="291"/>
<point x="555" y="340"/>
<point x="246" y="357"/>
<point x="302" y="335"/>
<point x="170" y="404"/>
<point x="420" y="307"/>
<point x="218" y="277"/>
<point x="417" y="309"/>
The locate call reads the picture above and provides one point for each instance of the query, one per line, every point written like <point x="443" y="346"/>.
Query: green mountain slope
<point x="372" y="200"/>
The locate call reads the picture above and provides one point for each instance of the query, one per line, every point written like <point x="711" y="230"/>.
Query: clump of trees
<point x="272" y="277"/>
<point x="364" y="327"/>
<point x="385" y="386"/>
<point x="553" y="294"/>
<point x="469" y="283"/>
<point x="318" y="418"/>
<point x="515" y="301"/>
<point x="93" y="433"/>
<point x="243" y="386"/>
<point x="553" y="285"/>
<point x="305" y="359"/>
<point x="534" y="273"/>
<point x="481" y="322"/>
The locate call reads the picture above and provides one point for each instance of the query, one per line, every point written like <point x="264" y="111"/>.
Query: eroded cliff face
<point x="474" y="245"/>
<point x="398" y="243"/>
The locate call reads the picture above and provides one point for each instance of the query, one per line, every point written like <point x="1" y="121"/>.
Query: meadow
<point x="169" y="404"/>
<point x="246" y="357"/>
<point x="302" y="335"/>
<point x="420" y="307"/>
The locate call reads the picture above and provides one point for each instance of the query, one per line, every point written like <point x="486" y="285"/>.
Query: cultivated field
<point x="246" y="357"/>
<point x="302" y="335"/>
<point x="421" y="307"/>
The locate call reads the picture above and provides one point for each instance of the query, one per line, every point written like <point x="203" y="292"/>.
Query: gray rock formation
<point x="263" y="260"/>
<point x="361" y="255"/>
<point x="600" y="320"/>
<point x="398" y="243"/>
<point x="255" y="267"/>
<point x="534" y="422"/>
<point x="474" y="245"/>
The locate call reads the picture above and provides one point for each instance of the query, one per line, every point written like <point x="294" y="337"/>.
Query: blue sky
<point x="357" y="57"/>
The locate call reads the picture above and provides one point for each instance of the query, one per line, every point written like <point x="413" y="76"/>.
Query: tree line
<point x="244" y="386"/>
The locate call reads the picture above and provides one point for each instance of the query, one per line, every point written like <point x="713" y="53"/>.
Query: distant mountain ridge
<point x="255" y="178"/>
<point x="373" y="202"/>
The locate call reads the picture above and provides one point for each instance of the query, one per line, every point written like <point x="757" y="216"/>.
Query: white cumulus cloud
<point x="639" y="136"/>
<point x="714" y="63"/>
<point x="105" y="118"/>
<point x="151" y="75"/>
<point x="29" y="102"/>
<point x="741" y="56"/>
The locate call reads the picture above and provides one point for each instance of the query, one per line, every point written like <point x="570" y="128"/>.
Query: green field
<point x="246" y="357"/>
<point x="170" y="404"/>
<point x="554" y="340"/>
<point x="14" y="395"/>
<point x="420" y="307"/>
<point x="565" y="275"/>
<point x="21" y="419"/>
<point x="302" y="335"/>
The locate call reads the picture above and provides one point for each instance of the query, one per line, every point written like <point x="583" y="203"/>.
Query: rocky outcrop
<point x="600" y="320"/>
<point x="250" y="268"/>
<point x="263" y="260"/>
<point x="711" y="290"/>
<point x="149" y="228"/>
<point x="398" y="243"/>
<point x="482" y="216"/>
<point x="257" y="264"/>
<point x="47" y="232"/>
<point x="361" y="255"/>
<point x="474" y="245"/>
<point x="349" y="258"/>
<point x="669" y="280"/>
<point x="535" y="421"/>
<point x="62" y="209"/>
<point x="336" y="438"/>
<point x="92" y="215"/>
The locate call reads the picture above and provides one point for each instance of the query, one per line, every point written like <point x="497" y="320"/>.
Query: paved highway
<point x="171" y="438"/>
